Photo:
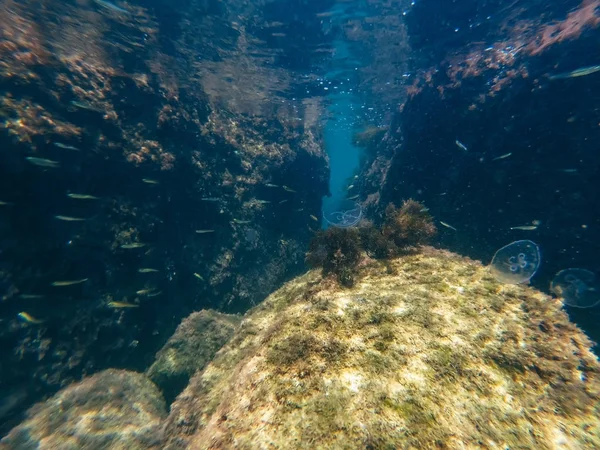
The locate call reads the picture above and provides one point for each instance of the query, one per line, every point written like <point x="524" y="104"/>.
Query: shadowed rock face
<point x="95" y="88"/>
<point x="114" y="409"/>
<point x="426" y="351"/>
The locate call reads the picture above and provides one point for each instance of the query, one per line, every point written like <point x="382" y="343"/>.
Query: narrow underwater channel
<point x="343" y="155"/>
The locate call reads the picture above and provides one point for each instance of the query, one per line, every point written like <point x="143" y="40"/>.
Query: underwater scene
<point x="299" y="224"/>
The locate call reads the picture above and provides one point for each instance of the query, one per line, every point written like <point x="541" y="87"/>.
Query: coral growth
<point x="435" y="354"/>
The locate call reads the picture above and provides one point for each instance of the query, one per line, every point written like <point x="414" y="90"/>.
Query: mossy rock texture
<point x="426" y="351"/>
<point x="195" y="342"/>
<point x="113" y="409"/>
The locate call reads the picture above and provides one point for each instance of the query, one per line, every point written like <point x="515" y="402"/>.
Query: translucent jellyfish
<point x="516" y="262"/>
<point x="579" y="288"/>
<point x="344" y="215"/>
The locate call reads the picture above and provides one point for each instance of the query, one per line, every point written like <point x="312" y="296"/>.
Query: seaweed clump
<point x="408" y="227"/>
<point x="339" y="250"/>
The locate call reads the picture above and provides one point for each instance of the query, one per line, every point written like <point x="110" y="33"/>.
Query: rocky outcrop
<point x="425" y="351"/>
<point x="113" y="409"/>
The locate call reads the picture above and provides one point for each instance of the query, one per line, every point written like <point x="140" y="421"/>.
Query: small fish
<point x="284" y="201"/>
<point x="42" y="162"/>
<point x="502" y="157"/>
<point x="147" y="270"/>
<point x="448" y="226"/>
<point x="204" y="231"/>
<point x="29" y="318"/>
<point x="581" y="72"/>
<point x="133" y="245"/>
<point x="424" y="210"/>
<point x="314" y="218"/>
<point x="271" y="185"/>
<point x="197" y="275"/>
<point x="149" y="181"/>
<point x="210" y="199"/>
<point x="65" y="146"/>
<point x="568" y="170"/>
<point x="111" y="6"/>
<point x="145" y="291"/>
<point x="5" y="203"/>
<point x="30" y="296"/>
<point x="350" y="187"/>
<point x="68" y="282"/>
<point x="86" y="106"/>
<point x="262" y="202"/>
<point x="122" y="305"/>
<point x="285" y="188"/>
<point x="240" y="221"/>
<point x="461" y="145"/>
<point x="354" y="197"/>
<point x="82" y="197"/>
<point x="70" y="219"/>
<point x="525" y="227"/>
<point x="154" y="294"/>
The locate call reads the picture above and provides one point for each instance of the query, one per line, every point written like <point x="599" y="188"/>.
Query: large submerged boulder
<point x="424" y="351"/>
<point x="114" y="409"/>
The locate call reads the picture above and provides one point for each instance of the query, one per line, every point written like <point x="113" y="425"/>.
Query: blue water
<point x="343" y="156"/>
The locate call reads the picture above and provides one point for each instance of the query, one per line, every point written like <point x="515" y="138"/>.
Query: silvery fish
<point x="581" y="72"/>
<point x="43" y="162"/>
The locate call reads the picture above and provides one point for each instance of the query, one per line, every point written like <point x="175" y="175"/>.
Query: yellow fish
<point x="314" y="218"/>
<point x="197" y="275"/>
<point x="581" y="72"/>
<point x="122" y="305"/>
<point x="69" y="283"/>
<point x="147" y="270"/>
<point x="29" y="318"/>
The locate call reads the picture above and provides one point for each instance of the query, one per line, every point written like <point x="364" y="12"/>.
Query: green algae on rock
<point x="195" y="342"/>
<point x="434" y="353"/>
<point x="114" y="409"/>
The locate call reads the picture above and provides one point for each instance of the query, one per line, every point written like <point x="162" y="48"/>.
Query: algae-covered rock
<point x="195" y="342"/>
<point x="114" y="409"/>
<point x="427" y="351"/>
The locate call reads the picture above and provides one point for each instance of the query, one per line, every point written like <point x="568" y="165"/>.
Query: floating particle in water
<point x="516" y="262"/>
<point x="579" y="288"/>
